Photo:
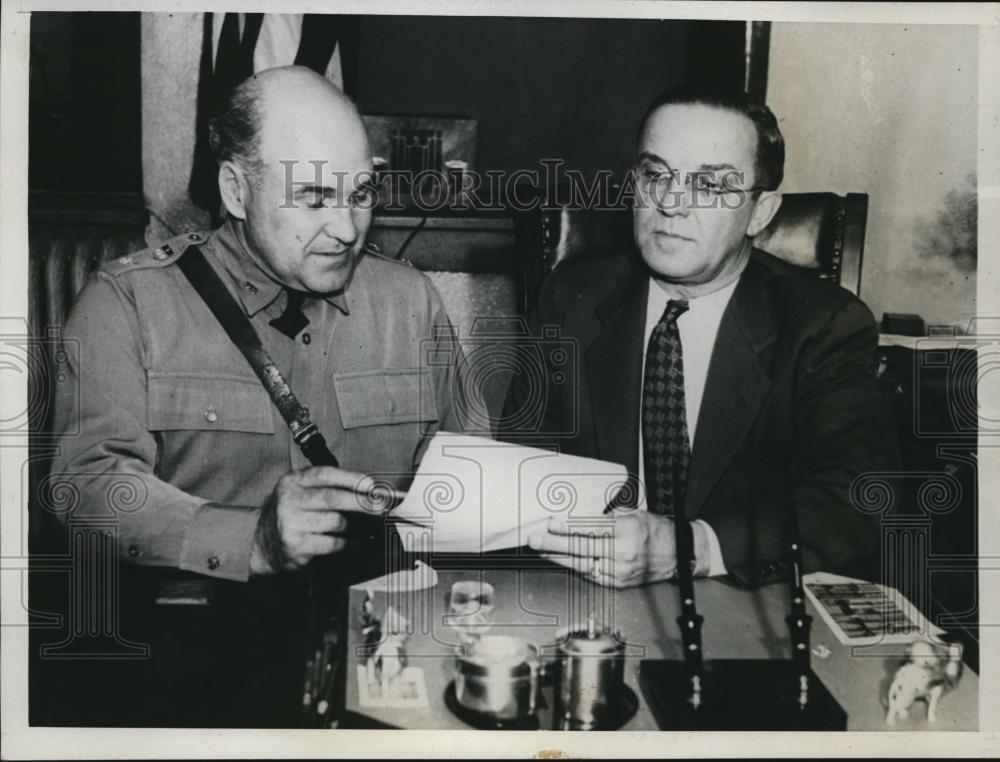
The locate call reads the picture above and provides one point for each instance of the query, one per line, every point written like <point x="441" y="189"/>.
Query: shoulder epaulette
<point x="158" y="256"/>
<point x="373" y="250"/>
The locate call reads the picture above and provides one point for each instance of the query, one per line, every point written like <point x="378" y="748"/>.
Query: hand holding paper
<point x="642" y="549"/>
<point x="474" y="495"/>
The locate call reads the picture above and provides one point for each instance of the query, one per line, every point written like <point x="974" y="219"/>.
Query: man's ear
<point x="234" y="189"/>
<point x="765" y="208"/>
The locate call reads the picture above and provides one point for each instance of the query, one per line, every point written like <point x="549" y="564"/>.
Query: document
<point x="420" y="577"/>
<point x="864" y="613"/>
<point x="473" y="495"/>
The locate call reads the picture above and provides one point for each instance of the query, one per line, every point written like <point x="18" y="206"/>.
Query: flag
<point x="236" y="45"/>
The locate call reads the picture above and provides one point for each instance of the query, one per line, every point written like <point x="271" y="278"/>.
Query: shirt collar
<point x="713" y="302"/>
<point x="254" y="288"/>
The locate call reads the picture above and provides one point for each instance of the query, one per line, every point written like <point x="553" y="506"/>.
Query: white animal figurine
<point x="931" y="671"/>
<point x="390" y="656"/>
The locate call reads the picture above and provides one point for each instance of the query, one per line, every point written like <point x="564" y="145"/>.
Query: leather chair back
<point x="70" y="238"/>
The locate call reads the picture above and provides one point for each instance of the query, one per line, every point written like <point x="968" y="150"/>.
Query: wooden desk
<point x="535" y="603"/>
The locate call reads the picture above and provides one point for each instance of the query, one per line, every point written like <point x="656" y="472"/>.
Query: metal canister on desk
<point x="498" y="677"/>
<point x="590" y="671"/>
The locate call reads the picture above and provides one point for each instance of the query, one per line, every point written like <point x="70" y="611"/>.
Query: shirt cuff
<point x="716" y="566"/>
<point x="219" y="540"/>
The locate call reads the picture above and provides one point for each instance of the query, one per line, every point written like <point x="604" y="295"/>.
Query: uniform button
<point x="306" y="338"/>
<point x="211" y="416"/>
<point x="133" y="551"/>
<point x="194" y="237"/>
<point x="251" y="288"/>
<point x="213" y="563"/>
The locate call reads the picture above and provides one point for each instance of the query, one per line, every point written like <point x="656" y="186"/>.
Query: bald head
<point x="299" y="86"/>
<point x="266" y="113"/>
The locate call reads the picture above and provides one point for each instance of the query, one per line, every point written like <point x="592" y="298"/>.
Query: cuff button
<point x="213" y="563"/>
<point x="133" y="551"/>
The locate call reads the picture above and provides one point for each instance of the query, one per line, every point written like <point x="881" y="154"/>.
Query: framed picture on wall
<point x="418" y="143"/>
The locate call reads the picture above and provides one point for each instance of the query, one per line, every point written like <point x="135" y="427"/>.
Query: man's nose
<point x="676" y="201"/>
<point x="340" y="224"/>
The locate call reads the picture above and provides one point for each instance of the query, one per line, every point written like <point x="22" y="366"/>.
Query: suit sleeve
<point x="457" y="396"/>
<point x="106" y="464"/>
<point x="843" y="429"/>
<point x="533" y="412"/>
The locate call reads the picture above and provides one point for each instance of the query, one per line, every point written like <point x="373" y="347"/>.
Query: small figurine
<point x="931" y="670"/>
<point x="390" y="656"/>
<point x="371" y="631"/>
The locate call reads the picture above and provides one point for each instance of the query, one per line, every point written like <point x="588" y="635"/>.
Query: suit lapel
<point x="735" y="387"/>
<point x="614" y="367"/>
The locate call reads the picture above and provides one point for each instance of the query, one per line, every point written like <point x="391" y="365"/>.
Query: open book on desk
<point x="474" y="495"/>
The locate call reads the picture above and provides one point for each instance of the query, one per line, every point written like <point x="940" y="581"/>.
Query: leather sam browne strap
<point x="327" y="594"/>
<point x="237" y="326"/>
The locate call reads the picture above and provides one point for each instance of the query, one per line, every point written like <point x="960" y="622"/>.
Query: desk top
<point x="535" y="603"/>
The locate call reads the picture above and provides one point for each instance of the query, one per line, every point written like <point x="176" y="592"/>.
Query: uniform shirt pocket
<point x="207" y="401"/>
<point x="384" y="396"/>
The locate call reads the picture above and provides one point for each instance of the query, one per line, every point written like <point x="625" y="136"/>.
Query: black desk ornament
<point x="738" y="694"/>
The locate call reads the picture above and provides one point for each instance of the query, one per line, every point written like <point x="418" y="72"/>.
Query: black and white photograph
<point x="499" y="367"/>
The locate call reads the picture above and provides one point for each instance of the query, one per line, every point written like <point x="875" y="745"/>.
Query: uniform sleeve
<point x="107" y="457"/>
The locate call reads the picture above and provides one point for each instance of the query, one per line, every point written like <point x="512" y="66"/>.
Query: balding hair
<point x="234" y="127"/>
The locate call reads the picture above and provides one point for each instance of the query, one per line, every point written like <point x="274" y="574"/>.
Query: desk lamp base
<point x="738" y="694"/>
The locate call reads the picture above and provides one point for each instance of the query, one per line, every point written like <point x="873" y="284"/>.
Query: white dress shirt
<point x="698" y="327"/>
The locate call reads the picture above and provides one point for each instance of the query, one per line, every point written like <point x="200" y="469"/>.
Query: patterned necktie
<point x="666" y="451"/>
<point x="291" y="321"/>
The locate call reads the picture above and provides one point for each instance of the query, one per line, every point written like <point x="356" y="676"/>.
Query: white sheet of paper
<point x="472" y="494"/>
<point x="407" y="690"/>
<point x="420" y="577"/>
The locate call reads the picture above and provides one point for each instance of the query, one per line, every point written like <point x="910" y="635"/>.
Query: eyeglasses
<point x="661" y="185"/>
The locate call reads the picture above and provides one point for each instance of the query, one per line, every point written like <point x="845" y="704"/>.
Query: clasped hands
<point x="305" y="516"/>
<point x="638" y="548"/>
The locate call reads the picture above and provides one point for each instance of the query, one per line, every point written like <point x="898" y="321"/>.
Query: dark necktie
<point x="291" y="321"/>
<point x="665" y="446"/>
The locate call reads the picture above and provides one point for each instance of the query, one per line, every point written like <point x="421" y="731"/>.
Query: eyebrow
<point x="704" y="167"/>
<point x="324" y="189"/>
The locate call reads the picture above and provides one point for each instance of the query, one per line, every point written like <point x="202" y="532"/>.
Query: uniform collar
<point x="254" y="288"/>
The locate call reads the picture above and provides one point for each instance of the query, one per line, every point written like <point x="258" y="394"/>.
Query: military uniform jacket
<point x="165" y="428"/>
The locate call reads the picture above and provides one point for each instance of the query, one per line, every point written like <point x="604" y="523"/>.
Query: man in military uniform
<point x="170" y="411"/>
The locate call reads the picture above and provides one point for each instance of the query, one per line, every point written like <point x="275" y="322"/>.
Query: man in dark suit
<point x="717" y="374"/>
